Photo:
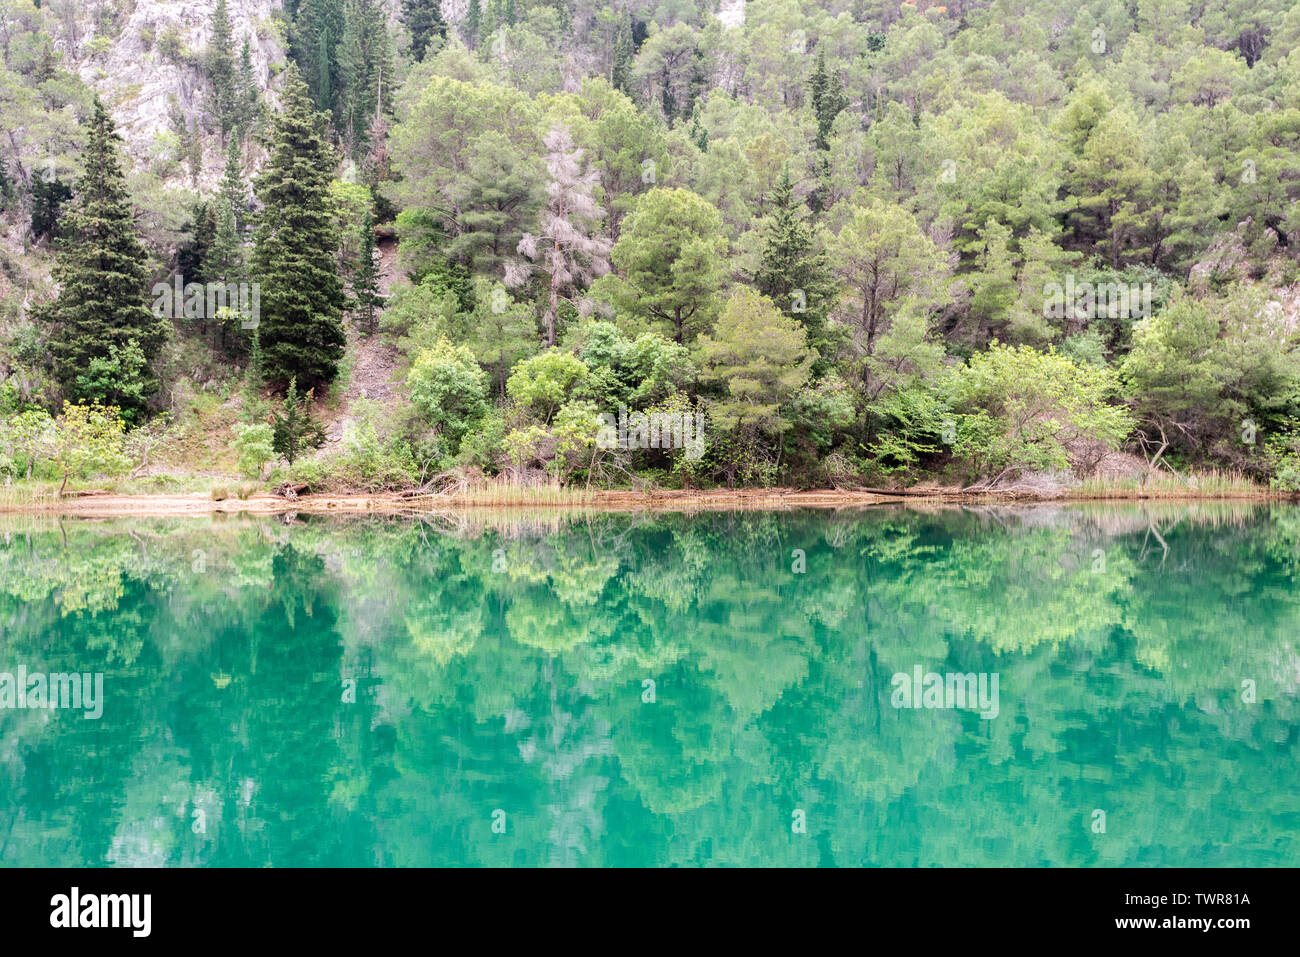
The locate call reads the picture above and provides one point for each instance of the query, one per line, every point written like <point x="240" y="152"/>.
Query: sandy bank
<point x="198" y="503"/>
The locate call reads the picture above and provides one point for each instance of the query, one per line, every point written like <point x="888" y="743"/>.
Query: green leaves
<point x="1020" y="409"/>
<point x="882" y="258"/>
<point x="757" y="357"/>
<point x="254" y="443"/>
<point x="88" y="440"/>
<point x="671" y="254"/>
<point x="546" y="381"/>
<point x="1199" y="367"/>
<point x="449" y="388"/>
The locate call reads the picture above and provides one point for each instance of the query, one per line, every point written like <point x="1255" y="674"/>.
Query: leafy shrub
<point x="370" y="459"/>
<point x="27" y="438"/>
<point x="544" y="382"/>
<point x="88" y="440"/>
<point x="254" y="444"/>
<point x="482" y="447"/>
<point x="1018" y="408"/>
<point x="449" y="388"/>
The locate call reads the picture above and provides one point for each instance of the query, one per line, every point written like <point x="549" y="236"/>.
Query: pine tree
<point x="365" y="281"/>
<point x="294" y="256"/>
<point x="567" y="250"/>
<point x="424" y="20"/>
<point x="102" y="273"/>
<point x="793" y="272"/>
<point x="295" y="430"/>
<point x="220" y="63"/>
<point x="192" y="259"/>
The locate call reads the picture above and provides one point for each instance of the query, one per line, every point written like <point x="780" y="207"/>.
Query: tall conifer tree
<point x="220" y="60"/>
<point x="103" y="274"/>
<point x="794" y="273"/>
<point x="302" y="296"/>
<point x="365" y="281"/>
<point x="424" y="20"/>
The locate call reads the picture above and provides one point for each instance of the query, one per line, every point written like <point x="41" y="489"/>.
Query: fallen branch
<point x="290" y="490"/>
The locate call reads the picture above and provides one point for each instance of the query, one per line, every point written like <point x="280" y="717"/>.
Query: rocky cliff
<point x="147" y="66"/>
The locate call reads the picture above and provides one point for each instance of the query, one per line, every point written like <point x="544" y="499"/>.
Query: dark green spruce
<point x="101" y="316"/>
<point x="793" y="272"/>
<point x="302" y="298"/>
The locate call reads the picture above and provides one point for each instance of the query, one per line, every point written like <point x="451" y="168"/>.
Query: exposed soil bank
<point x="196" y="503"/>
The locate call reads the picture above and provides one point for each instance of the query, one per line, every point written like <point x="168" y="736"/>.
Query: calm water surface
<point x="650" y="690"/>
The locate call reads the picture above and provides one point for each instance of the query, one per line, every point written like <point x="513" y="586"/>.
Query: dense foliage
<point x="866" y="241"/>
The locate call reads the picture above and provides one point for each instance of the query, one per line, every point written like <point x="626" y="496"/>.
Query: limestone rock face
<point x="151" y="69"/>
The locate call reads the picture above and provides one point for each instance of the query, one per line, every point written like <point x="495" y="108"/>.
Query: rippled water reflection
<point x="647" y="690"/>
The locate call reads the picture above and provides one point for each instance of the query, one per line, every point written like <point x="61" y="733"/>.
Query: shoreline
<point x="105" y="505"/>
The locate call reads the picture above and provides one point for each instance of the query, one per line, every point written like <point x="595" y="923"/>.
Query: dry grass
<point x="1211" y="484"/>
<point x="30" y="496"/>
<point x="502" y="496"/>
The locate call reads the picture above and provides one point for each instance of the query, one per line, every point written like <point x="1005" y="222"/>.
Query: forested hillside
<point x="362" y="244"/>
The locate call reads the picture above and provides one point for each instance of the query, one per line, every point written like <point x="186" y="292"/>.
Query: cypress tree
<point x="699" y="135"/>
<point x="324" y="85"/>
<point x="424" y="20"/>
<point x="317" y="26"/>
<point x="620" y="73"/>
<point x="102" y="272"/>
<point x="221" y="71"/>
<point x="473" y="23"/>
<point x="302" y="296"/>
<point x="828" y="99"/>
<point x="365" y="282"/>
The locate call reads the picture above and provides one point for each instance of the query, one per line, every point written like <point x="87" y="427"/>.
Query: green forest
<point x="651" y="243"/>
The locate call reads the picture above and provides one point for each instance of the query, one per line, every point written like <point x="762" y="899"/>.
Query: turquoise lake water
<point x="614" y="689"/>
